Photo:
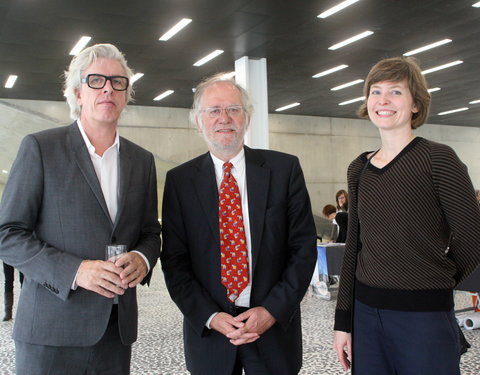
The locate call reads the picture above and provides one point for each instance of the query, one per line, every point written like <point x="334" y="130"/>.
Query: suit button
<point x="114" y="239"/>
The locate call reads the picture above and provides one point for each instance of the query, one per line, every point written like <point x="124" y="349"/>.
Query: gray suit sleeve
<point x="19" y="215"/>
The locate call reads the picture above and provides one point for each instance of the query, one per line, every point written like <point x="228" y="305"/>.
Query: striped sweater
<point x="413" y="232"/>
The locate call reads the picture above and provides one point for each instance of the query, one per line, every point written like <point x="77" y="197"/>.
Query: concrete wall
<point x="325" y="146"/>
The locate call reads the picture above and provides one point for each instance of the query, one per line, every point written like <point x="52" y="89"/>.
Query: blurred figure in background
<point x="341" y="197"/>
<point x="340" y="219"/>
<point x="8" y="272"/>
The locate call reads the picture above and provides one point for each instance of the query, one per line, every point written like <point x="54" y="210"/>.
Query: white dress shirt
<point x="107" y="171"/>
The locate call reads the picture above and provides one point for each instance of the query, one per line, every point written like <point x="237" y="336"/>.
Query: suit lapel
<point x="207" y="191"/>
<point x="84" y="162"/>
<point x="258" y="183"/>
<point x="124" y="172"/>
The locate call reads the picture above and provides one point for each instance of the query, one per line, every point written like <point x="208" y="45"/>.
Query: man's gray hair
<point x="206" y="83"/>
<point x="78" y="65"/>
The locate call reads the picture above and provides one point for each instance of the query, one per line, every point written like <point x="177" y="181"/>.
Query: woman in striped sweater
<point x="413" y="235"/>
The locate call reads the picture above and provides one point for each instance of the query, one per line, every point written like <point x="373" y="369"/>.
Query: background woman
<point x="408" y="242"/>
<point x="342" y="201"/>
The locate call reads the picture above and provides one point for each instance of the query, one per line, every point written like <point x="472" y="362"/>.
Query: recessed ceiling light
<point x="433" y="89"/>
<point x="348" y="84"/>
<point x="351" y="40"/>
<point x="175" y="29"/>
<point x="4" y="171"/>
<point x="336" y="8"/>
<point x="287" y="107"/>
<point x="10" y="81"/>
<point x="453" y="111"/>
<point x="163" y="95"/>
<point x="80" y="45"/>
<point x="209" y="57"/>
<point x="136" y="77"/>
<point x="440" y="67"/>
<point x="329" y="71"/>
<point x="474" y="101"/>
<point x="352" y="101"/>
<point x="427" y="47"/>
<point x="476" y="5"/>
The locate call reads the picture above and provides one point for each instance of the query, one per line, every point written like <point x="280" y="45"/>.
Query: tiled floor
<point x="159" y="349"/>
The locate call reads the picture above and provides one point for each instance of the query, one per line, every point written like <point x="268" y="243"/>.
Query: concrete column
<point x="252" y="75"/>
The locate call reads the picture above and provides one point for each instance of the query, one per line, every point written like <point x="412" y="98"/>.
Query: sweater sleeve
<point x="343" y="311"/>
<point x="457" y="198"/>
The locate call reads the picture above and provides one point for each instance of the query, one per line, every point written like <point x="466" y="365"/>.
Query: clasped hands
<point x="244" y="328"/>
<point x="112" y="279"/>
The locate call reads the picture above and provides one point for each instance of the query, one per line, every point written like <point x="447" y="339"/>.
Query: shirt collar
<point x="238" y="161"/>
<point x="90" y="147"/>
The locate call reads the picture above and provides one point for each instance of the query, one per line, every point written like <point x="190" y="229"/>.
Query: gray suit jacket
<point x="53" y="216"/>
<point x="283" y="257"/>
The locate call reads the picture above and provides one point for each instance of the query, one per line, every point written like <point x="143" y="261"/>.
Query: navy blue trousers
<point x="388" y="342"/>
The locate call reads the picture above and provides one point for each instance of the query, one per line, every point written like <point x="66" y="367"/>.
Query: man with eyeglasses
<point x="72" y="191"/>
<point x="239" y="244"/>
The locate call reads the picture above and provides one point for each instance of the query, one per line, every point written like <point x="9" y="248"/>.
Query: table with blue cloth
<point x="329" y="263"/>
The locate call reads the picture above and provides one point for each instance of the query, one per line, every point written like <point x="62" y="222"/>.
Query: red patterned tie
<point x="233" y="246"/>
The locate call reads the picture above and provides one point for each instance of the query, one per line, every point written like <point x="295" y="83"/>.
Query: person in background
<point x="341" y="197"/>
<point x="71" y="191"/>
<point x="402" y="264"/>
<point x="9" y="272"/>
<point x="340" y="219"/>
<point x="239" y="244"/>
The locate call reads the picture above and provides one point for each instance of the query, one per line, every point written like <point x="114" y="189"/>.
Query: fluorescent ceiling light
<point x="208" y="57"/>
<point x="348" y="84"/>
<point x="476" y="5"/>
<point x="352" y="100"/>
<point x="474" y="101"/>
<point x="351" y="40"/>
<point x="433" y="89"/>
<point x="136" y="77"/>
<point x="80" y="45"/>
<point x="175" y="29"/>
<point x="10" y="81"/>
<point x="427" y="47"/>
<point x="453" y="111"/>
<point x="336" y="8"/>
<point x="228" y="75"/>
<point x="163" y="95"/>
<point x="329" y="71"/>
<point x="4" y="171"/>
<point x="440" y="67"/>
<point x="287" y="107"/>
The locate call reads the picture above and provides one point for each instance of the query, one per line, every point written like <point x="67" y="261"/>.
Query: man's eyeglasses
<point x="98" y="81"/>
<point x="232" y="111"/>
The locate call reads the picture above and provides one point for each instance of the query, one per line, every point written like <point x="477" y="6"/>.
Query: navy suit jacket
<point x="283" y="257"/>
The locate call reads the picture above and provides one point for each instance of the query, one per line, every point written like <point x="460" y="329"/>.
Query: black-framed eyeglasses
<point x="231" y="110"/>
<point x="98" y="81"/>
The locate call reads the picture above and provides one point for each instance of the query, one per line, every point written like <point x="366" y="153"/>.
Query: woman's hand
<point x="342" y="340"/>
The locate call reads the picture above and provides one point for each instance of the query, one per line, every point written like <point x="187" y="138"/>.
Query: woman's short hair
<point x="78" y="65"/>
<point x="206" y="83"/>
<point x="328" y="210"/>
<point x="397" y="69"/>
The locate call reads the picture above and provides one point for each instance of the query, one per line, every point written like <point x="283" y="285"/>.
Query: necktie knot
<point x="227" y="167"/>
